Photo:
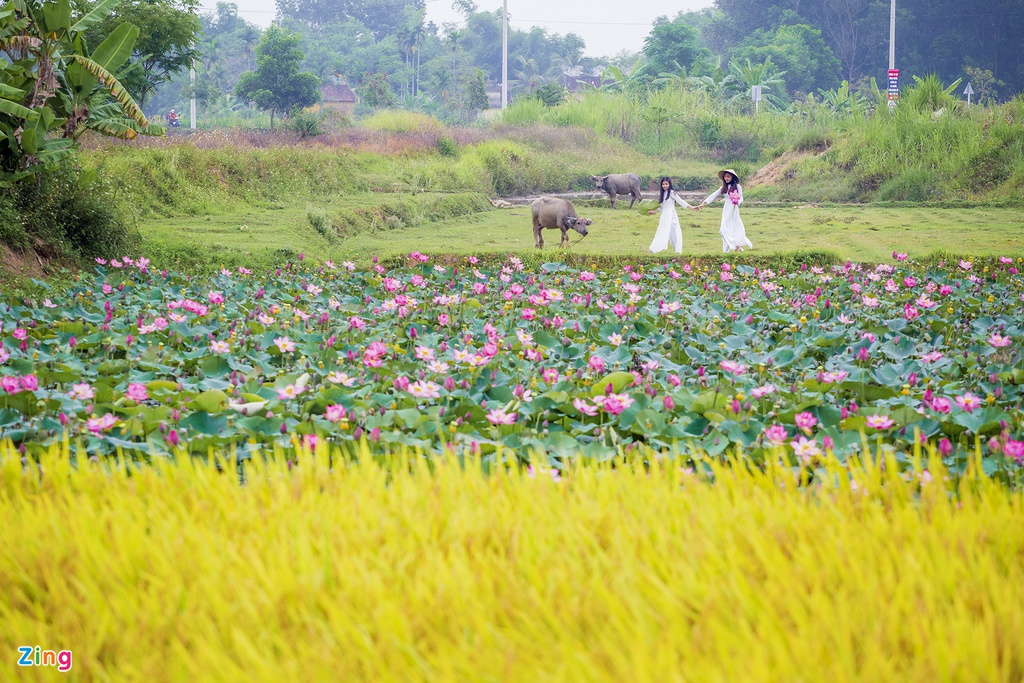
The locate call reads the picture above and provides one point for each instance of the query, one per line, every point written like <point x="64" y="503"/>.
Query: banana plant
<point x="766" y="75"/>
<point x="53" y="89"/>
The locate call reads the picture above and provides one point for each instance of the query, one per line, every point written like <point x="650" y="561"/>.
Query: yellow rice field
<point x="178" y="573"/>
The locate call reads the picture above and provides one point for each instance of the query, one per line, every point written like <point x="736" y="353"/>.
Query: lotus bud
<point x="357" y="433"/>
<point x="73" y="342"/>
<point x="284" y="428"/>
<point x="449" y="383"/>
<point x="668" y="403"/>
<point x="375" y="434"/>
<point x="843" y="413"/>
<point x="945" y="447"/>
<point x="172" y="437"/>
<point x="863" y="354"/>
<point x="828" y="443"/>
<point x="64" y="420"/>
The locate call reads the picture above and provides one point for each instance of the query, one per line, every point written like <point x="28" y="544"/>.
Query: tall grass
<point x="441" y="572"/>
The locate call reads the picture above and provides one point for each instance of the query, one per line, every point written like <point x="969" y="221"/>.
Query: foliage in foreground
<point x="551" y="359"/>
<point x="428" y="570"/>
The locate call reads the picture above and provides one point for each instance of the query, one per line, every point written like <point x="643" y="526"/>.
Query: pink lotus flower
<point x="899" y="255"/>
<point x="341" y="378"/>
<point x="81" y="392"/>
<point x="498" y="416"/>
<point x="400" y="383"/>
<point x="733" y="368"/>
<point x="10" y="384"/>
<point x="931" y="357"/>
<point x="100" y="424"/>
<point x="215" y="298"/>
<point x="968" y="402"/>
<point x="879" y="421"/>
<point x="29" y="383"/>
<point x="20" y="333"/>
<point x="284" y="344"/>
<point x="584" y="407"/>
<point x="805" y="449"/>
<point x="941" y="404"/>
<point x="1015" y="450"/>
<point x="335" y="413"/>
<point x="424" y="389"/>
<point x="998" y="341"/>
<point x="834" y="377"/>
<point x="137" y="392"/>
<point x="310" y="441"/>
<point x="587" y="276"/>
<point x="289" y="392"/>
<point x="220" y="347"/>
<point x="761" y="392"/>
<point x="614" y="403"/>
<point x="805" y="421"/>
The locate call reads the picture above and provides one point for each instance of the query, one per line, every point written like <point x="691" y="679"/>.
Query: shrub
<point x="447" y="147"/>
<point x="306" y="124"/>
<point x="317" y="218"/>
<point x="74" y="213"/>
<point x="913" y="185"/>
<point x="813" y="140"/>
<point x="12" y="232"/>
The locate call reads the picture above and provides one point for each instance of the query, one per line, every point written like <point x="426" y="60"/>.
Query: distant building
<point x="337" y="97"/>
<point x="575" y="79"/>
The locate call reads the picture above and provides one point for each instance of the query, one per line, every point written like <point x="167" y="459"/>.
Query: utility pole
<point x="504" y="55"/>
<point x="894" y="74"/>
<point x="192" y="91"/>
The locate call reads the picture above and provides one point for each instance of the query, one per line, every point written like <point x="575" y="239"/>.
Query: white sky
<point x="608" y="26"/>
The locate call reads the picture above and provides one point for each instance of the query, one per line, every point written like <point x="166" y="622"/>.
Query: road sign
<point x="968" y="91"/>
<point x="894" y="85"/>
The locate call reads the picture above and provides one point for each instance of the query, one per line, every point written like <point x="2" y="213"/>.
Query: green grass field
<point x="864" y="232"/>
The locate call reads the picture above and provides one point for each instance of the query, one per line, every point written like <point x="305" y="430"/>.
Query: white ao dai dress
<point x="734" y="236"/>
<point x="668" y="225"/>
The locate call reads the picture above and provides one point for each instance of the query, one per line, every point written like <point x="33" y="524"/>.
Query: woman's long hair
<point x="729" y="187"/>
<point x="665" y="193"/>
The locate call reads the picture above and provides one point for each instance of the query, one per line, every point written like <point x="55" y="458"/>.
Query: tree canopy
<point x="277" y="85"/>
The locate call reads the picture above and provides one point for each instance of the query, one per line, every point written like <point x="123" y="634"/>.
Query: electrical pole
<point x="192" y="89"/>
<point x="504" y="55"/>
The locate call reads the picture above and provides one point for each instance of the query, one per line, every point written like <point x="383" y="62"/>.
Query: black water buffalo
<point x="552" y="212"/>
<point x="619" y="183"/>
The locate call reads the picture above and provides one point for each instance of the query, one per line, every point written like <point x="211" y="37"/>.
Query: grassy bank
<point x="177" y="572"/>
<point x="397" y="225"/>
<point x="914" y="155"/>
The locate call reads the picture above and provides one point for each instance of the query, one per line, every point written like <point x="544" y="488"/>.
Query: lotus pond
<point x="496" y="358"/>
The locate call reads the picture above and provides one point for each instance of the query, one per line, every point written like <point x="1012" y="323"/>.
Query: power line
<point x="587" y="23"/>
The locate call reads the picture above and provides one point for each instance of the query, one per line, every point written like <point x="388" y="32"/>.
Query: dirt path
<point x="526" y="200"/>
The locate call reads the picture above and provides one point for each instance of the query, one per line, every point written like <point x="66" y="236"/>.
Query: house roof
<point x="337" y="92"/>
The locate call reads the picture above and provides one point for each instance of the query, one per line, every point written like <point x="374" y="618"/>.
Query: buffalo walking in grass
<point x="555" y="213"/>
<point x="619" y="183"/>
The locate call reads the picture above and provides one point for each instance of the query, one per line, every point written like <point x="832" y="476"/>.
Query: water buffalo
<point x="552" y="212"/>
<point x="619" y="183"/>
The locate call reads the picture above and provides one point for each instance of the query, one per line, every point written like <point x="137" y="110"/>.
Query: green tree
<point x="799" y="51"/>
<point x="167" y="42"/>
<point x="52" y="90"/>
<point x="376" y="92"/>
<point x="670" y="45"/>
<point x="476" y="94"/>
<point x="551" y="94"/>
<point x="277" y="85"/>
